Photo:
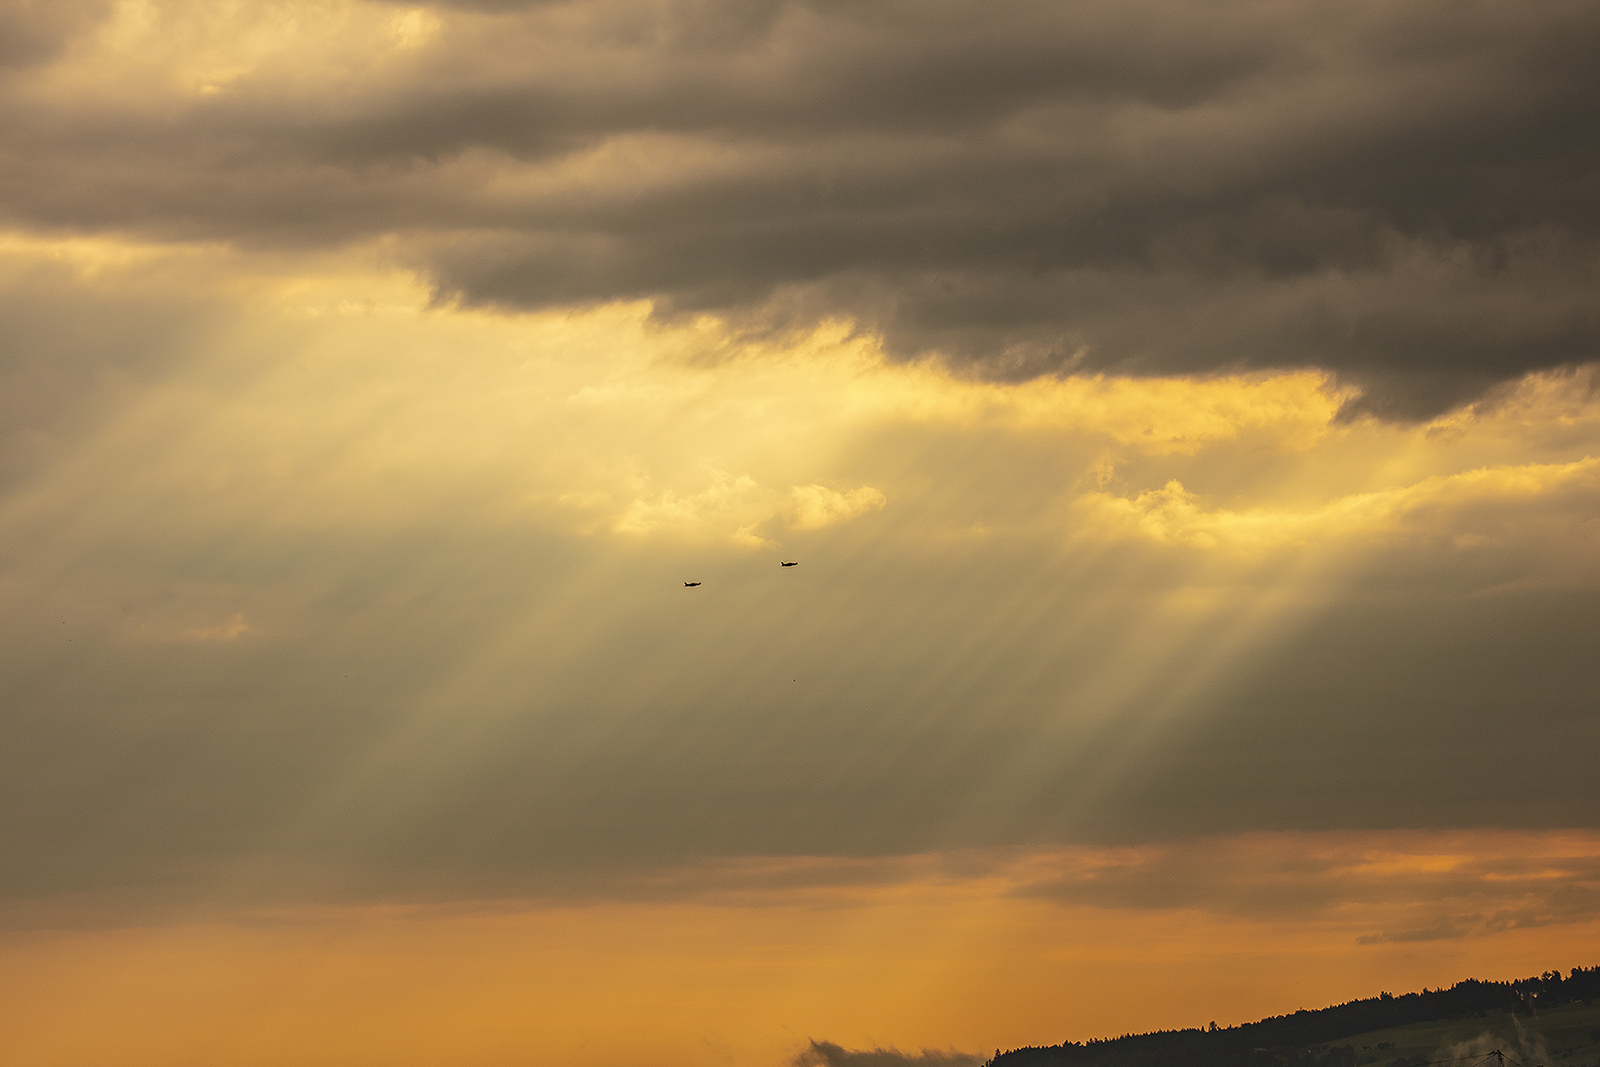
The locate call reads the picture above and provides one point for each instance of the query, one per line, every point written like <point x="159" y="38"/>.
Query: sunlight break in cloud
<point x="1173" y="515"/>
<point x="811" y="507"/>
<point x="728" y="499"/>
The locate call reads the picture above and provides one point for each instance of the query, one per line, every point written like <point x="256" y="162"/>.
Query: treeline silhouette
<point x="1300" y="1039"/>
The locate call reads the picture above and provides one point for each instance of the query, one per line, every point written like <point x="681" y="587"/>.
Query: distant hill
<point x="1549" y="1020"/>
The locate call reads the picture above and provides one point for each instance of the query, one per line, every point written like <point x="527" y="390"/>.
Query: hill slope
<point x="1550" y="1021"/>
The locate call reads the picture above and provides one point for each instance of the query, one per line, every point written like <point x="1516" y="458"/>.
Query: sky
<point x="1184" y="419"/>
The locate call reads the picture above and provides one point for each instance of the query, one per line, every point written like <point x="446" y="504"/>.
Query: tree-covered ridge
<point x="1293" y="1040"/>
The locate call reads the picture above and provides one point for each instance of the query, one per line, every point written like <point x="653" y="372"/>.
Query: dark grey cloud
<point x="1339" y="715"/>
<point x="1403" y="195"/>
<point x="828" y="1054"/>
<point x="33" y="31"/>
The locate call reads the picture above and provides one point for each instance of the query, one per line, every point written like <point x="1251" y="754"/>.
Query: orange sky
<point x="745" y="970"/>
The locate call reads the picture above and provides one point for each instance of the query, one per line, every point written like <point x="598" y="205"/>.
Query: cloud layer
<point x="375" y="377"/>
<point x="1401" y="195"/>
<point x="347" y="585"/>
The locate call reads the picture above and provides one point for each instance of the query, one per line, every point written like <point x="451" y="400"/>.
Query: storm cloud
<point x="1403" y="195"/>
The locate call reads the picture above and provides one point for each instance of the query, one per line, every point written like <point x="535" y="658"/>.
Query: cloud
<point x="375" y="374"/>
<point x="812" y="507"/>
<point x="35" y="31"/>
<point x="737" y="506"/>
<point x="458" y="539"/>
<point x="827" y="1054"/>
<point x="667" y="511"/>
<point x="1173" y="515"/>
<point x="230" y="630"/>
<point x="1448" y="930"/>
<point x="89" y="324"/>
<point x="1421" y="886"/>
<point x="1399" y="196"/>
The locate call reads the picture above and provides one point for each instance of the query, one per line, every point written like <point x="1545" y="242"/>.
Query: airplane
<point x="687" y="585"/>
<point x="781" y="563"/>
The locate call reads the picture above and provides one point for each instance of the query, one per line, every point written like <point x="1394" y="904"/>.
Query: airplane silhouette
<point x="686" y="585"/>
<point x="781" y="563"/>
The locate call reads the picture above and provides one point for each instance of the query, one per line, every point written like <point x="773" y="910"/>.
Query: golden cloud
<point x="1173" y="515"/>
<point x="811" y="507"/>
